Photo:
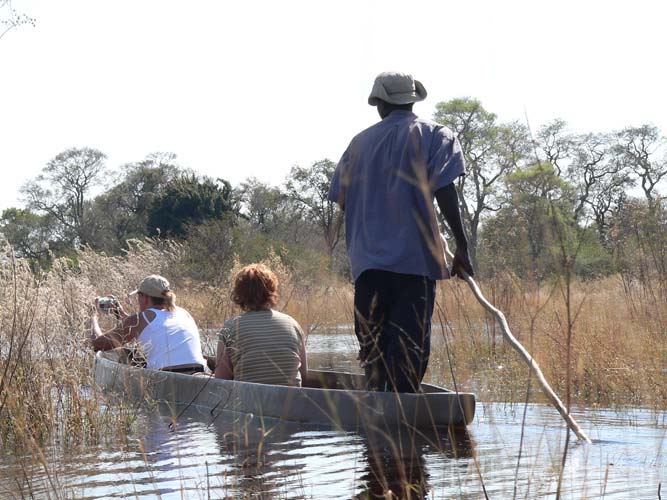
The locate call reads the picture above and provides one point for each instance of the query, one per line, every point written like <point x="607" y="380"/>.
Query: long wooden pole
<point x="534" y="367"/>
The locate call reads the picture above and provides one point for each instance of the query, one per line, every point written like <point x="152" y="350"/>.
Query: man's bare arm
<point x="448" y="201"/>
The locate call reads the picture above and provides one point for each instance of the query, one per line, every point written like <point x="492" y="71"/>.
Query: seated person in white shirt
<point x="167" y="334"/>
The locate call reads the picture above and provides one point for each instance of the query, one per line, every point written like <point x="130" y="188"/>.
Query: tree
<point x="61" y="190"/>
<point x="491" y="150"/>
<point x="537" y="197"/>
<point x="555" y="144"/>
<point x="588" y="163"/>
<point x="189" y="200"/>
<point x="10" y="18"/>
<point x="309" y="188"/>
<point x="642" y="150"/>
<point x="210" y="249"/>
<point x="639" y="235"/>
<point x="263" y="205"/>
<point x="122" y="212"/>
<point x="599" y="180"/>
<point x="29" y="234"/>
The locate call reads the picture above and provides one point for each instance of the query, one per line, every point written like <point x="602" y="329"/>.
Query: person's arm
<point x="117" y="309"/>
<point x="340" y="181"/>
<point x="223" y="363"/>
<point x="127" y="331"/>
<point x="448" y="201"/>
<point x="304" y="360"/>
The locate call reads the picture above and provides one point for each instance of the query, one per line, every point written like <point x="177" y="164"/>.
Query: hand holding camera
<point x="106" y="303"/>
<point x="109" y="304"/>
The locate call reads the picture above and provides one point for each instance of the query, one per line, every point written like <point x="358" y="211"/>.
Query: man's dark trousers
<point x="393" y="325"/>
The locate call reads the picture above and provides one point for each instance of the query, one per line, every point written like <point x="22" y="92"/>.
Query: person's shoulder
<point x="228" y="329"/>
<point x="281" y="315"/>
<point x="182" y="311"/>
<point x="232" y="322"/>
<point x="286" y="318"/>
<point x="435" y="127"/>
<point x="134" y="319"/>
<point x="368" y="132"/>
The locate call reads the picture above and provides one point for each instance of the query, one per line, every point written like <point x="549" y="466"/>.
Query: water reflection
<point x="396" y="464"/>
<point x="508" y="450"/>
<point x="267" y="458"/>
<point x="236" y="456"/>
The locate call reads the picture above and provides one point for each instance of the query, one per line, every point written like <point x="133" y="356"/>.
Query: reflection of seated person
<point x="261" y="345"/>
<point x="167" y="334"/>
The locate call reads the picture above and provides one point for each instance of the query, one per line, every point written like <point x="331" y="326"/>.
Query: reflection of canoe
<point x="331" y="398"/>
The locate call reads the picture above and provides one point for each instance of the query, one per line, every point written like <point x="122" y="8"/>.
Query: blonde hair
<point x="168" y="299"/>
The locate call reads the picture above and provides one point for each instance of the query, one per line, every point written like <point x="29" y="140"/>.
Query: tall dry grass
<point x="46" y="391"/>
<point x="618" y="348"/>
<point x="618" y="344"/>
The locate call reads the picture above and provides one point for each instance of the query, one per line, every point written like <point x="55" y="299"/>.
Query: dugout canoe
<point x="327" y="398"/>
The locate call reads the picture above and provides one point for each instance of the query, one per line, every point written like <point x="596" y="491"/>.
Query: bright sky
<point x="250" y="88"/>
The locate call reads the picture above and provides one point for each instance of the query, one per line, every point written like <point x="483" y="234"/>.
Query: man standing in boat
<point x="385" y="182"/>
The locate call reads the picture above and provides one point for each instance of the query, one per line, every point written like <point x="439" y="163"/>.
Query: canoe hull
<point x="346" y="407"/>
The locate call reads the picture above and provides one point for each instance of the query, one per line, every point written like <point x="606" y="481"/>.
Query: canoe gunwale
<point x="343" y="407"/>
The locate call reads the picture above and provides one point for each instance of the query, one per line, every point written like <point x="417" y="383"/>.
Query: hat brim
<point x="378" y="93"/>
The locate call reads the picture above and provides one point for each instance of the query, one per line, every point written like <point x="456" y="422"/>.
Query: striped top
<point x="264" y="347"/>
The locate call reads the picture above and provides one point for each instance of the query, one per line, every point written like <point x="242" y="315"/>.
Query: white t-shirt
<point x="171" y="339"/>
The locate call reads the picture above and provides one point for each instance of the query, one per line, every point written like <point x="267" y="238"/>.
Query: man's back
<point x="386" y="181"/>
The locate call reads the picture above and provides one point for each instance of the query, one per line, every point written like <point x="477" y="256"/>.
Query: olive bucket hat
<point x="396" y="88"/>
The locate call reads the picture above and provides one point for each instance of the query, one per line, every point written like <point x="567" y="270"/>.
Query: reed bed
<point x="617" y="351"/>
<point x="45" y="385"/>
<point x="618" y="348"/>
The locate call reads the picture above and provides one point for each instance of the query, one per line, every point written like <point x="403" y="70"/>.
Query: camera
<point x="106" y="303"/>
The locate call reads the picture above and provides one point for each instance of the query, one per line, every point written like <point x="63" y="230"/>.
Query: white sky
<point x="250" y="88"/>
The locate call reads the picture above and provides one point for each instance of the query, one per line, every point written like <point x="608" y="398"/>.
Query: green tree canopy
<point x="491" y="150"/>
<point x="189" y="200"/>
<point x="122" y="211"/>
<point x="309" y="188"/>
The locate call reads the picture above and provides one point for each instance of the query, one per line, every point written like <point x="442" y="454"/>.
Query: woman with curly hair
<point x="261" y="345"/>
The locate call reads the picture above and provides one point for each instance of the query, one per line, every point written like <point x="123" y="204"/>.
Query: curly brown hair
<point x="255" y="288"/>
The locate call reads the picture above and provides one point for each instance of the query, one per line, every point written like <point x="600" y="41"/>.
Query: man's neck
<point x="385" y="108"/>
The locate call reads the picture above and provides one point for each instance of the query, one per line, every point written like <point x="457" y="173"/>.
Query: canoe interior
<point x="327" y="397"/>
<point x="319" y="379"/>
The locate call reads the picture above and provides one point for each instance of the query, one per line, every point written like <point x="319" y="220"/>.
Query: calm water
<point x="232" y="455"/>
